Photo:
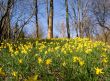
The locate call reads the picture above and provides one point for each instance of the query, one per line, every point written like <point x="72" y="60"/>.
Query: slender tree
<point x="80" y="16"/>
<point x="47" y="9"/>
<point x="67" y="19"/>
<point x="50" y="24"/>
<point x="36" y="14"/>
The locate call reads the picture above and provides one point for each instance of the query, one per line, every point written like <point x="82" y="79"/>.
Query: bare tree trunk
<point x="47" y="12"/>
<point x="36" y="14"/>
<point x="5" y="28"/>
<point x="67" y="19"/>
<point x="50" y="25"/>
<point x="77" y="35"/>
<point x="79" y="20"/>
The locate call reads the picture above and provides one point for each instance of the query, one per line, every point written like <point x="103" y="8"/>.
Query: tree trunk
<point x="79" y="20"/>
<point x="36" y="14"/>
<point x="5" y="29"/>
<point x="47" y="12"/>
<point x="50" y="25"/>
<point x="67" y="19"/>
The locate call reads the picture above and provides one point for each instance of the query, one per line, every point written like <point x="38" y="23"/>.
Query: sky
<point x="59" y="17"/>
<point x="25" y="9"/>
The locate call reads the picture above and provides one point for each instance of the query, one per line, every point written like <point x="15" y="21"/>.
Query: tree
<point x="67" y="19"/>
<point x="18" y="33"/>
<point x="50" y="25"/>
<point x="79" y="15"/>
<point x="36" y="14"/>
<point x="5" y="28"/>
<point x="101" y="11"/>
<point x="47" y="9"/>
<point x="22" y="15"/>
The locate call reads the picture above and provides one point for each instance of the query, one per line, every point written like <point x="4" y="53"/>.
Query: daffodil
<point x="81" y="63"/>
<point x="88" y="51"/>
<point x="98" y="71"/>
<point x="2" y="72"/>
<point x="76" y="59"/>
<point x="48" y="61"/>
<point x="104" y="60"/>
<point x="20" y="61"/>
<point x="40" y="60"/>
<point x="14" y="73"/>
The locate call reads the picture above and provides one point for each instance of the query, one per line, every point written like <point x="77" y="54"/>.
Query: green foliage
<point x="55" y="59"/>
